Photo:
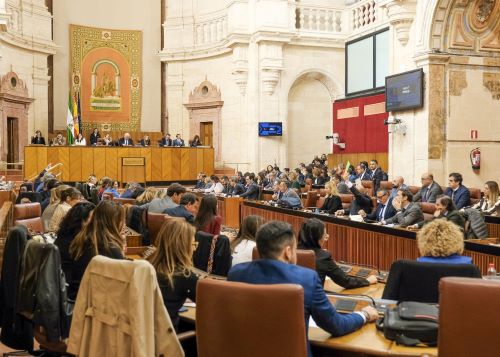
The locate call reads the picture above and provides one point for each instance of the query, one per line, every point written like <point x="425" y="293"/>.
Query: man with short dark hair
<point x="430" y="190"/>
<point x="237" y="187"/>
<point x="252" y="192"/>
<point x="174" y="195"/>
<point x="376" y="175"/>
<point x="178" y="141"/>
<point x="187" y="208"/>
<point x="409" y="212"/>
<point x="277" y="246"/>
<point x="166" y="141"/>
<point x="385" y="209"/>
<point x="458" y="192"/>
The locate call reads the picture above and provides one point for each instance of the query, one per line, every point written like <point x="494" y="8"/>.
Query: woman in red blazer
<point x="207" y="219"/>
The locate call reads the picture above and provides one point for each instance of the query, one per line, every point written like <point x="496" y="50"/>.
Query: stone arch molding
<point x="331" y="86"/>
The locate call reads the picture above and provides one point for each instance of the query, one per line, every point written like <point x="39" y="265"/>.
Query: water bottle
<point x="491" y="273"/>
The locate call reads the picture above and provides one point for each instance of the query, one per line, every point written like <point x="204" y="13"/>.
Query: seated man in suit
<point x="277" y="247"/>
<point x="228" y="189"/>
<point x="237" y="188"/>
<point x="377" y="175"/>
<point x="409" y="212"/>
<point x="145" y="141"/>
<point x="126" y="140"/>
<point x="252" y="190"/>
<point x="398" y="183"/>
<point x="360" y="202"/>
<point x="178" y="141"/>
<point x="363" y="171"/>
<point x="385" y="209"/>
<point x="59" y="140"/>
<point x="187" y="208"/>
<point x="458" y="192"/>
<point x="286" y="193"/>
<point x="430" y="190"/>
<point x="166" y="141"/>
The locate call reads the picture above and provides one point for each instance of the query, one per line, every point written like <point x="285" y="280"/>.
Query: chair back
<point x="475" y="195"/>
<point x="221" y="262"/>
<point x="410" y="280"/>
<point x="346" y="199"/>
<point x="428" y="210"/>
<point x="386" y="185"/>
<point x="311" y="198"/>
<point x="305" y="258"/>
<point x="244" y="320"/>
<point x="29" y="215"/>
<point x="155" y="221"/>
<point x="414" y="189"/>
<point x="130" y="201"/>
<point x="469" y="311"/>
<point x="320" y="201"/>
<point x="368" y="185"/>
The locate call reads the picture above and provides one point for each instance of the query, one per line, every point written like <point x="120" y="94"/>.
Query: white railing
<point x="318" y="19"/>
<point x="366" y="15"/>
<point x="211" y="31"/>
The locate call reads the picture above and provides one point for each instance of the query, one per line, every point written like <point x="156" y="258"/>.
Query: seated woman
<point x="445" y="209"/>
<point x="80" y="140"/>
<point x="441" y="241"/>
<point x="55" y="200"/>
<point x="100" y="236"/>
<point x="108" y="140"/>
<point x="294" y="179"/>
<point x="242" y="246"/>
<point x="38" y="139"/>
<point x="216" y="186"/>
<point x="312" y="236"/>
<point x="69" y="197"/>
<point x="145" y="141"/>
<point x="490" y="203"/>
<point x="196" y="141"/>
<point x="70" y="226"/>
<point x="147" y="196"/>
<point x="173" y="262"/>
<point x="112" y="188"/>
<point x="207" y="219"/>
<point x="332" y="203"/>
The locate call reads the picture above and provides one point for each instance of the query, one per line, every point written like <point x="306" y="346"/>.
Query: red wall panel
<point x="362" y="132"/>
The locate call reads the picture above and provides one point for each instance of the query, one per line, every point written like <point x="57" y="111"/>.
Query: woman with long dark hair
<point x="242" y="246"/>
<point x="311" y="237"/>
<point x="207" y="219"/>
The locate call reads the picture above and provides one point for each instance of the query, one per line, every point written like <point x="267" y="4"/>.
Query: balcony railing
<point x="211" y="31"/>
<point x="318" y="19"/>
<point x="366" y="15"/>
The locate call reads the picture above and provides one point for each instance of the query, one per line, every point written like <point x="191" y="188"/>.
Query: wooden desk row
<point x="367" y="244"/>
<point x="161" y="164"/>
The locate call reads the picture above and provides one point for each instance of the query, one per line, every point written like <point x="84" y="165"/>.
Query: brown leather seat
<point x="248" y="320"/>
<point x="29" y="215"/>
<point x="469" y="311"/>
<point x="475" y="195"/>
<point x="386" y="185"/>
<point x="414" y="189"/>
<point x="322" y="192"/>
<point x="310" y="200"/>
<point x="346" y="199"/>
<point x="428" y="209"/>
<point x="155" y="221"/>
<point x="368" y="185"/>
<point x="305" y="258"/>
<point x="320" y="201"/>
<point x="123" y="201"/>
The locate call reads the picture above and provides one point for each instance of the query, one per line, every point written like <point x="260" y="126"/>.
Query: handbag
<point x="411" y="324"/>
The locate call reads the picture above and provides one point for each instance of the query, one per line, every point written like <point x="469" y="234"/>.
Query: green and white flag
<point x="69" y="122"/>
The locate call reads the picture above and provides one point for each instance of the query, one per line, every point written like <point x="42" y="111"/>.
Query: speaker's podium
<point x="134" y="169"/>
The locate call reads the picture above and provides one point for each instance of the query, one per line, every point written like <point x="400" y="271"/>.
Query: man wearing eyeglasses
<point x="458" y="192"/>
<point x="385" y="209"/>
<point x="430" y="190"/>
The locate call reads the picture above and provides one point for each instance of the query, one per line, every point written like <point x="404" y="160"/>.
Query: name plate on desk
<point x="133" y="161"/>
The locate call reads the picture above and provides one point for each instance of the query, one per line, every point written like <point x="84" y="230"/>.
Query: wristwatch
<point x="367" y="315"/>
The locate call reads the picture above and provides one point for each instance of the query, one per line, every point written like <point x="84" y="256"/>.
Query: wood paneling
<point x="162" y="164"/>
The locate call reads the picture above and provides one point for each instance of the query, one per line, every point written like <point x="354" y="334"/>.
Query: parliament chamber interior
<point x="249" y="178"/>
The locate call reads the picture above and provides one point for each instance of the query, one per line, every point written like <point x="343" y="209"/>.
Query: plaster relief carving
<point x="460" y="38"/>
<point x="458" y="82"/>
<point x="437" y="113"/>
<point x="483" y="10"/>
<point x="492" y="82"/>
<point x="492" y="41"/>
<point x="271" y="65"/>
<point x="240" y="67"/>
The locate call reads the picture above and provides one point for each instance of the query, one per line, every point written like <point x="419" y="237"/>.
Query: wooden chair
<point x="29" y="215"/>
<point x="368" y="185"/>
<point x="320" y="201"/>
<point x="155" y="221"/>
<point x="237" y="319"/>
<point x="475" y="195"/>
<point x="346" y="199"/>
<point x="386" y="185"/>
<point x="310" y="199"/>
<point x="305" y="258"/>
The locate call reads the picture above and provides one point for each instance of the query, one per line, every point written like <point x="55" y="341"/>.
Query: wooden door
<point x="12" y="143"/>
<point x="206" y="135"/>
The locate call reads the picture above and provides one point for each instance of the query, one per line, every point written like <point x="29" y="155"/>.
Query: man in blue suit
<point x="385" y="209"/>
<point x="186" y="209"/>
<point x="458" y="192"/>
<point x="277" y="247"/>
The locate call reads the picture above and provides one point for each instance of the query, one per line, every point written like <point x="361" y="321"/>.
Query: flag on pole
<point x="348" y="165"/>
<point x="69" y="122"/>
<point x="80" y="129"/>
<point x="76" y="127"/>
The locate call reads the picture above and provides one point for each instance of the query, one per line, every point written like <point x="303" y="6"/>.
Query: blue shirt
<point x="452" y="259"/>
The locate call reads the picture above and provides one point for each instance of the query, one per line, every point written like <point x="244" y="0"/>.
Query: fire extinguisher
<point x="475" y="158"/>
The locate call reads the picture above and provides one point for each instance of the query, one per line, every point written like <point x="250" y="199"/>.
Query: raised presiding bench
<point x="367" y="244"/>
<point x="160" y="164"/>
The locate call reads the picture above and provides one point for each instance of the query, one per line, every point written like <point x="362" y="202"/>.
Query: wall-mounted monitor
<point x="270" y="129"/>
<point x="404" y="91"/>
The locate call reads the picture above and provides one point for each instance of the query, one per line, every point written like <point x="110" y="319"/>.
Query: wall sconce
<point x="336" y="140"/>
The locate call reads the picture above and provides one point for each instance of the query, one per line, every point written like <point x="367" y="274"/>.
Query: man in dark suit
<point x="178" y="142"/>
<point x="94" y="137"/>
<point x="228" y="189"/>
<point x="237" y="188"/>
<point x="458" y="192"/>
<point x="277" y="247"/>
<point x="166" y="141"/>
<point x="126" y="140"/>
<point x="187" y="208"/>
<point x="385" y="209"/>
<point x="363" y="171"/>
<point x="430" y="190"/>
<point x="409" y="212"/>
<point x="360" y="202"/>
<point x="376" y="175"/>
<point x="252" y="192"/>
<point x="145" y="141"/>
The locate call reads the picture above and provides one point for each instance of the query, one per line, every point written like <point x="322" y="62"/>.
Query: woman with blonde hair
<point x="101" y="235"/>
<point x="147" y="196"/>
<point x="69" y="197"/>
<point x="173" y="262"/>
<point x="490" y="203"/>
<point x="55" y="199"/>
<point x="294" y="179"/>
<point x="441" y="241"/>
<point x="332" y="203"/>
<point x="242" y="246"/>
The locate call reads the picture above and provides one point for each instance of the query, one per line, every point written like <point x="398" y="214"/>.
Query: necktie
<point x="381" y="214"/>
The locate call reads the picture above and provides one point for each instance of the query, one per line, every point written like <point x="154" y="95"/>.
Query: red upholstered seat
<point x="29" y="215"/>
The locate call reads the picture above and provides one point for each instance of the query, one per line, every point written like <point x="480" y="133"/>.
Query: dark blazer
<point x="121" y="142"/>
<point x="94" y="138"/>
<point x="145" y="142"/>
<point x="252" y="192"/>
<point x="428" y="193"/>
<point x="180" y="211"/>
<point x="377" y="176"/>
<point x="38" y="140"/>
<point x="461" y="197"/>
<point x="332" y="204"/>
<point x="408" y="216"/>
<point x="222" y="254"/>
<point x="360" y="202"/>
<point x="178" y="142"/>
<point x="316" y="303"/>
<point x="390" y="211"/>
<point x="364" y="175"/>
<point x="166" y="142"/>
<point x="326" y="266"/>
<point x="453" y="216"/>
<point x="320" y="180"/>
<point x="238" y="189"/>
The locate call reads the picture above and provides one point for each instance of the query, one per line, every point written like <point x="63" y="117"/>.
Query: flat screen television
<point x="270" y="129"/>
<point x="404" y="91"/>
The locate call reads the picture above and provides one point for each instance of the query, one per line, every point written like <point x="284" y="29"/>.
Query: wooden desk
<point x="162" y="164"/>
<point x="229" y="209"/>
<point x="368" y="244"/>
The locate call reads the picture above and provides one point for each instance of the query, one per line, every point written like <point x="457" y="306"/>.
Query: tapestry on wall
<point x="106" y="69"/>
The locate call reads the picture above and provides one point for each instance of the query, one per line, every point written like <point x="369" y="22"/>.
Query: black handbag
<point x="411" y="324"/>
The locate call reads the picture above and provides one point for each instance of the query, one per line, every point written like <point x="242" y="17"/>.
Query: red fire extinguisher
<point x="475" y="158"/>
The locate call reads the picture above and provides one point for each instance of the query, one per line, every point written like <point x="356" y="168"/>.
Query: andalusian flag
<point x="77" y="124"/>
<point x="348" y="165"/>
<point x="69" y="122"/>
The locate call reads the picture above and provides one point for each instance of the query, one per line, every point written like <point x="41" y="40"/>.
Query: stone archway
<point x="14" y="105"/>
